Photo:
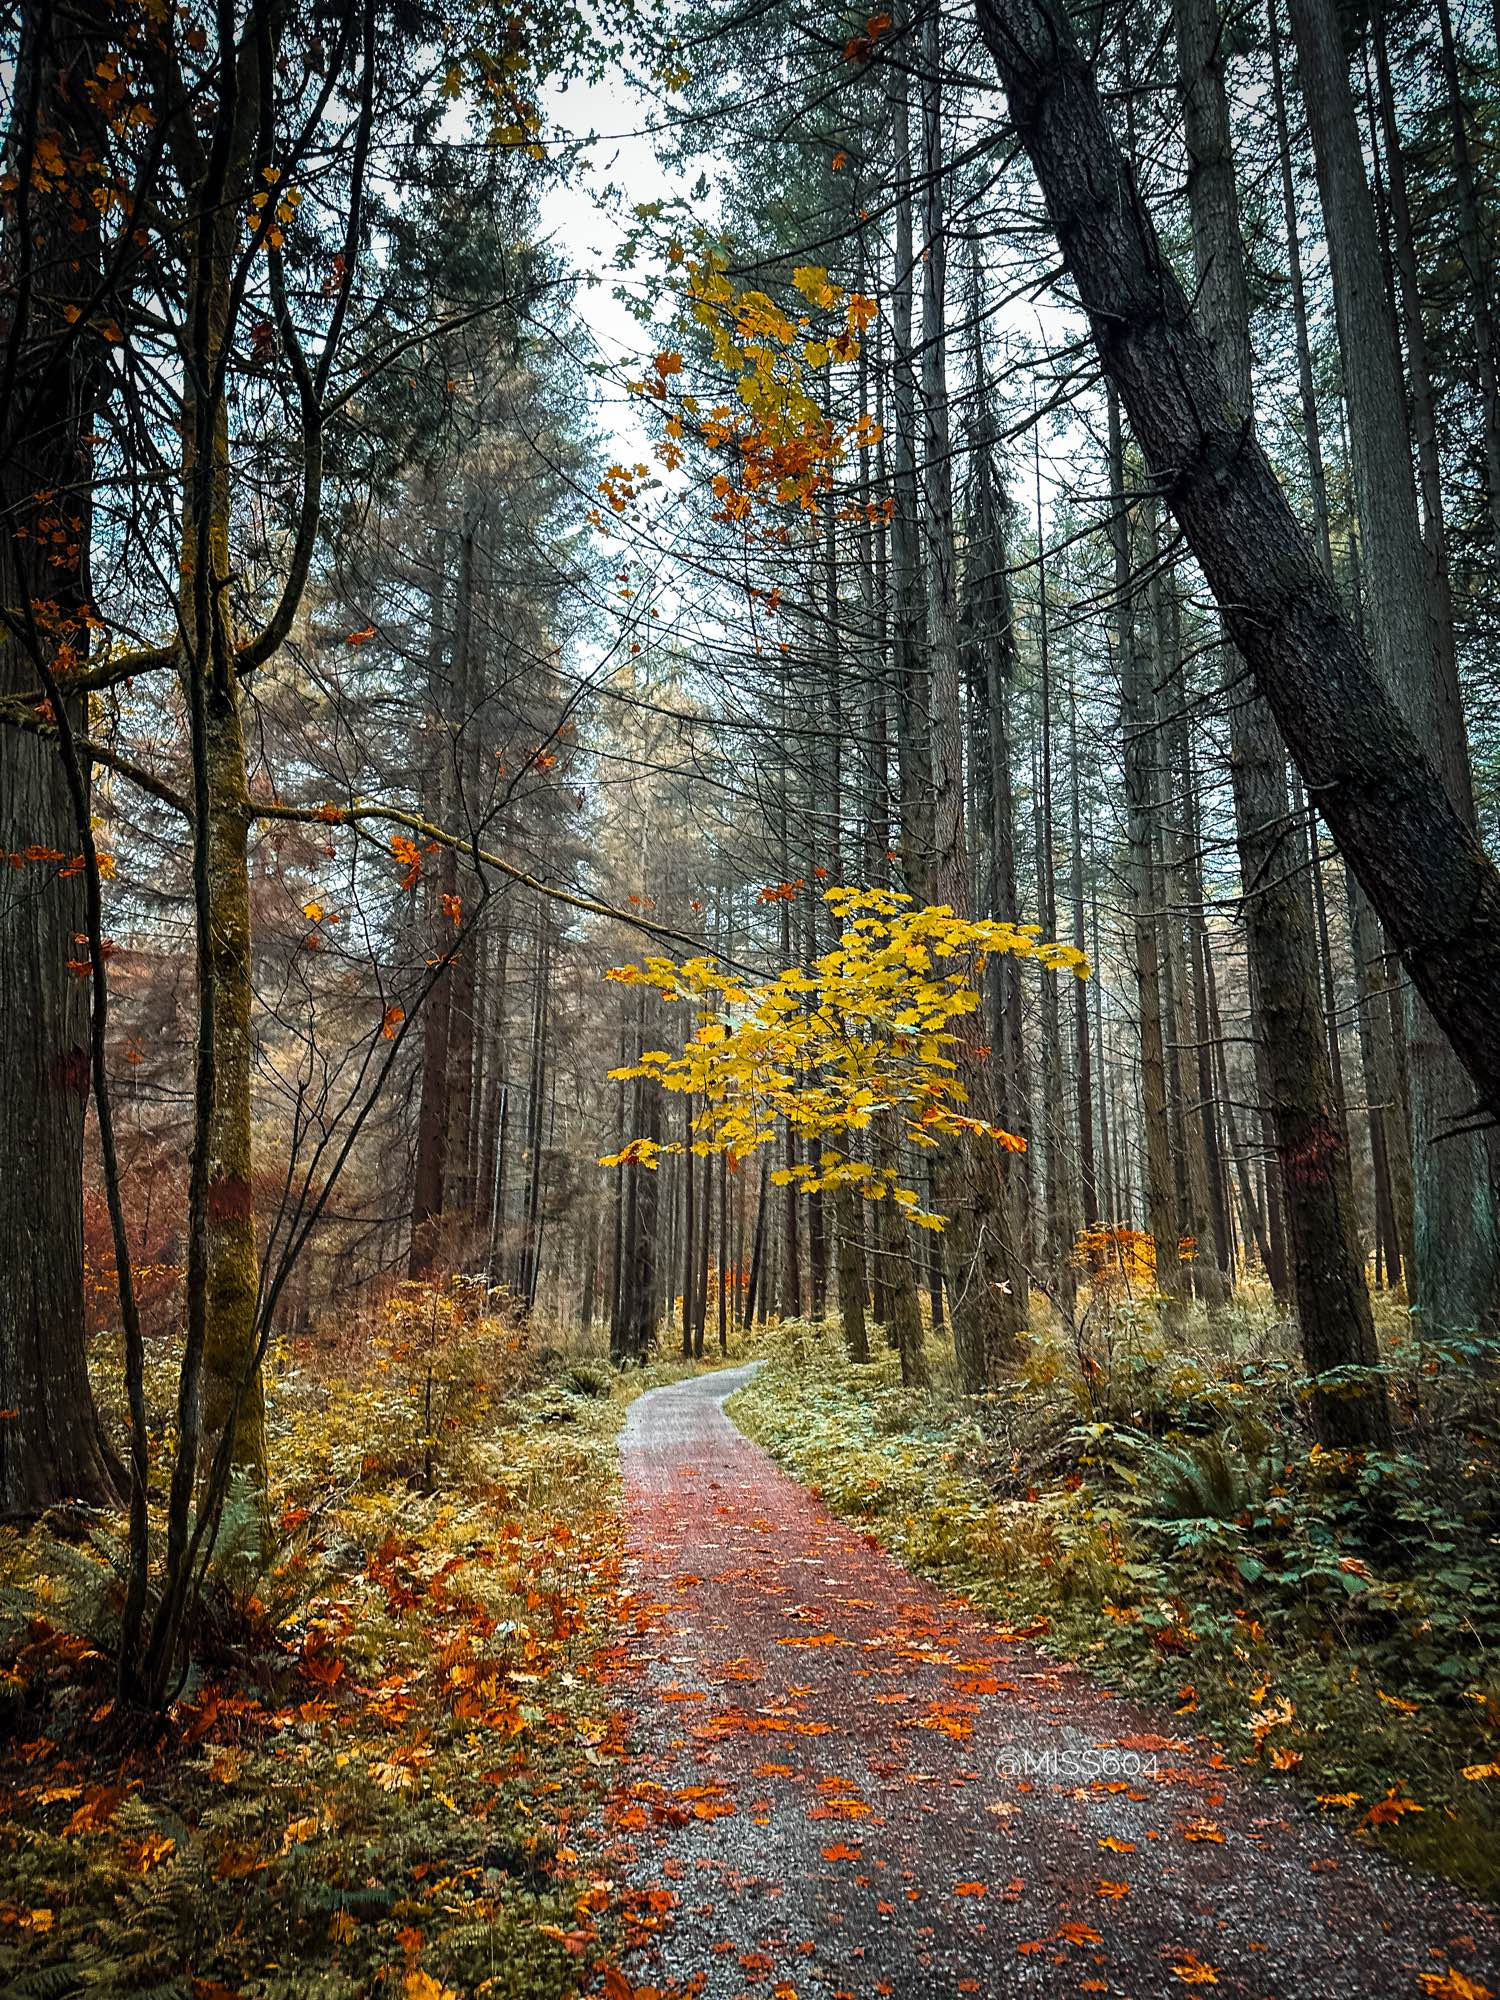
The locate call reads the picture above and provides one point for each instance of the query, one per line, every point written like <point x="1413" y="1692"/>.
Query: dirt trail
<point x="844" y="1783"/>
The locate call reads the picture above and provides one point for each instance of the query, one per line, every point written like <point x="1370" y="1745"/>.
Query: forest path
<point x="828" y="1790"/>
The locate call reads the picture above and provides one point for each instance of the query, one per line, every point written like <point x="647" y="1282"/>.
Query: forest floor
<point x="557" y="1685"/>
<point x="369" y="1782"/>
<point x="847" y="1783"/>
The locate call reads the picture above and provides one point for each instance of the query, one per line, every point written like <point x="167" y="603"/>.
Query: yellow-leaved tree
<point x="872" y="1031"/>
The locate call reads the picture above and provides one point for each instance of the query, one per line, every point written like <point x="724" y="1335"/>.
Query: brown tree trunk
<point x="1138" y="729"/>
<point x="51" y="1444"/>
<point x="1328" y="1280"/>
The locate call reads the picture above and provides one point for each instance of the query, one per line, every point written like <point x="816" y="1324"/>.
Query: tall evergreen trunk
<point x="1083" y="1065"/>
<point x="1479" y="263"/>
<point x="850" y="1265"/>
<point x="462" y="979"/>
<point x="988" y="1293"/>
<point x="1333" y="1305"/>
<point x="51" y="1444"/>
<point x="908" y="665"/>
<point x="1138" y="730"/>
<point x="1198" y="950"/>
<point x="1059" y="1229"/>
<point x="430" y="1168"/>
<point x="1456" y="1245"/>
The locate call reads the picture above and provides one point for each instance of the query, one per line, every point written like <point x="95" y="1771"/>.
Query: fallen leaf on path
<point x="1194" y="1971"/>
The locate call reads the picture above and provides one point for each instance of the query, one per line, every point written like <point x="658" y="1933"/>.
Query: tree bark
<point x="1456" y="1248"/>
<point x="1381" y="797"/>
<point x="1328" y="1281"/>
<point x="51" y="1445"/>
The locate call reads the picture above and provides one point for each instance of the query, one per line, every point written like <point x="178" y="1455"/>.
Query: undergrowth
<point x="1156" y="1508"/>
<point x="370" y="1779"/>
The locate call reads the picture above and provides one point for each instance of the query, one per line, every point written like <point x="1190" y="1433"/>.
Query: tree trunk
<point x="986" y="1282"/>
<point x="51" y="1444"/>
<point x="1138" y="729"/>
<point x="1455" y="1206"/>
<point x="1382" y="799"/>
<point x="1328" y="1281"/>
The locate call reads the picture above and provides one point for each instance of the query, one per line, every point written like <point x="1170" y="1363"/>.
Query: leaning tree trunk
<point x="51" y="1445"/>
<point x="1380" y="796"/>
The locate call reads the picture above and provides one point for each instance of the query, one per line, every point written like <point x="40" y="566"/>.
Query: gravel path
<point x="843" y="1783"/>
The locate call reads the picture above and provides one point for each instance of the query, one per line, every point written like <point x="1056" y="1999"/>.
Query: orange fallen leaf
<point x="1194" y="1971"/>
<point x="1386" y="1811"/>
<point x="1452" y="1985"/>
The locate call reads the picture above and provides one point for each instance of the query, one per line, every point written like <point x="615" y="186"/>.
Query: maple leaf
<point x="419" y="1985"/>
<point x="1080" y="1934"/>
<point x="409" y="855"/>
<point x="1194" y="1971"/>
<point x="1386" y="1811"/>
<point x="1473" y="1771"/>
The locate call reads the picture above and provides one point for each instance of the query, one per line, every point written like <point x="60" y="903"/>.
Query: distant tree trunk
<point x="1423" y="396"/>
<point x="758" y="1244"/>
<point x="429" y="1174"/>
<point x="1138" y="728"/>
<point x="1198" y="943"/>
<point x="913" y="751"/>
<point x="1479" y="264"/>
<point x="851" y="1273"/>
<point x="900" y="1273"/>
<point x="51" y="1444"/>
<point x="1203" y="1272"/>
<point x="689" y="1233"/>
<point x="1083" y="1080"/>
<point x="1058" y="1230"/>
<point x="463" y="976"/>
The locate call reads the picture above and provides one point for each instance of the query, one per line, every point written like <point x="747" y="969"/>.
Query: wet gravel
<point x="843" y="1783"/>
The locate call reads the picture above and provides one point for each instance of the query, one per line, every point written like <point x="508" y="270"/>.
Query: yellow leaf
<point x="419" y="1985"/>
